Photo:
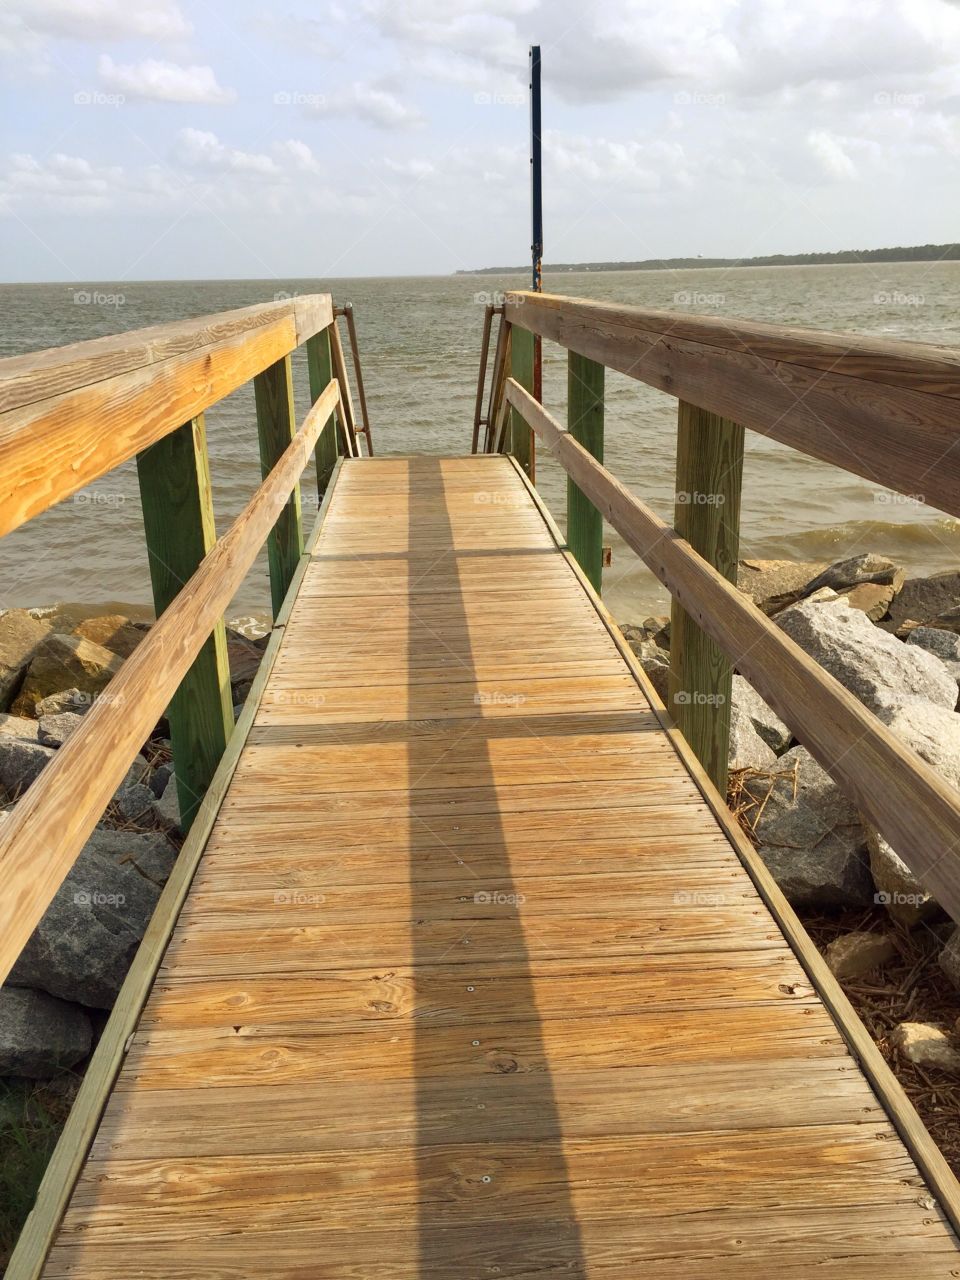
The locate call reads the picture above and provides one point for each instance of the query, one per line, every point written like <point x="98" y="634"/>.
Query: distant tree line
<point x="900" y="253"/>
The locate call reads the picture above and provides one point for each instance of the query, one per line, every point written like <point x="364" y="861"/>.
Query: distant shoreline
<point x="900" y="253"/>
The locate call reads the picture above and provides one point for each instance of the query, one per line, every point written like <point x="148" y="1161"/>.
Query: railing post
<point x="707" y="514"/>
<point x="177" y="506"/>
<point x="521" y="369"/>
<point x="276" y="427"/>
<point x="585" y="423"/>
<point x="320" y="371"/>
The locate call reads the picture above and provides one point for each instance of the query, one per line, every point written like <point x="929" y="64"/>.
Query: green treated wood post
<point x="276" y="427"/>
<point x="585" y="424"/>
<point x="521" y="369"/>
<point x="177" y="506"/>
<point x="320" y="369"/>
<point x="707" y="514"/>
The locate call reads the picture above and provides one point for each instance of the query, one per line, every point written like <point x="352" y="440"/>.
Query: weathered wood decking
<point x="471" y="981"/>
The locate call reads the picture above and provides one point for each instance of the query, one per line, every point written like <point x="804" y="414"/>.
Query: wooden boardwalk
<point x="471" y="982"/>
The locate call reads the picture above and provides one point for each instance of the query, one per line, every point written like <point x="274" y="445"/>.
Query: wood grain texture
<point x="95" y="419"/>
<point x="276" y="428"/>
<point x="887" y="411"/>
<point x="464" y="994"/>
<point x="585" y="380"/>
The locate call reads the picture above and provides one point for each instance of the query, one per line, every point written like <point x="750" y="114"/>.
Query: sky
<point x="157" y="139"/>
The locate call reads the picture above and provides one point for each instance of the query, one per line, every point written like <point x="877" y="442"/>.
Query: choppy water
<point x="420" y="342"/>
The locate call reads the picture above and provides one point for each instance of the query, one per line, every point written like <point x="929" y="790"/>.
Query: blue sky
<point x="146" y="139"/>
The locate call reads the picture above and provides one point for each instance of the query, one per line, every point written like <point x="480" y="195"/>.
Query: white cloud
<point x="200" y="149"/>
<point x="157" y="81"/>
<point x="374" y="104"/>
<point x="414" y="169"/>
<point x="101" y="19"/>
<point x="61" y="181"/>
<point x="830" y="152"/>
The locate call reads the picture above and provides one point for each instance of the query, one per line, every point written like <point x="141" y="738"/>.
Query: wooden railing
<point x="888" y="411"/>
<point x="73" y="414"/>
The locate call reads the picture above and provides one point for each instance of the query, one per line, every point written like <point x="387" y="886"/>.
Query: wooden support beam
<point x="585" y="422"/>
<point x="522" y="370"/>
<point x="177" y="506"/>
<point x="707" y="515"/>
<point x="320" y="372"/>
<point x="276" y="427"/>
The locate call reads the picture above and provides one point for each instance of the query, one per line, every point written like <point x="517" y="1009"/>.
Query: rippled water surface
<point x="420" y="342"/>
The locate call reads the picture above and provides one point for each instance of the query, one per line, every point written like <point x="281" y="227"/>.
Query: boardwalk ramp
<point x="474" y="979"/>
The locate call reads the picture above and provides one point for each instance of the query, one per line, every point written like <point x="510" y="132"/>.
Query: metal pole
<point x="536" y="247"/>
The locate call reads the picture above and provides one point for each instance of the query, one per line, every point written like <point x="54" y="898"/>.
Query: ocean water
<point x="419" y="341"/>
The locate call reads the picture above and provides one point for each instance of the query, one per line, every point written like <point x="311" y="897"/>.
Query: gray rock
<point x="84" y="944"/>
<point x="747" y="749"/>
<point x="851" y="573"/>
<point x="20" y="637"/>
<point x="854" y="955"/>
<point x="654" y="659"/>
<point x="877" y="668"/>
<point x="139" y="771"/>
<point x="159" y="779"/>
<point x="944" y="645"/>
<point x="934" y="733"/>
<point x="137" y="803"/>
<point x="67" y="700"/>
<point x="765" y="720"/>
<point x="21" y="761"/>
<point x="773" y="584"/>
<point x="56" y="729"/>
<point x="925" y="599"/>
<point x="19" y="727"/>
<point x="950" y="958"/>
<point x="814" y="843"/>
<point x="168" y="806"/>
<point x="40" y="1035"/>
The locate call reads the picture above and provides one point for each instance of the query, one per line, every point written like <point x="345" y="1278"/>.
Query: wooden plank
<point x="707" y="516"/>
<point x="53" y="447"/>
<point x="43" y="1221"/>
<point x="39" y="375"/>
<point x="350" y="999"/>
<point x="209" y="1198"/>
<point x="180" y="1123"/>
<point x="732" y="1244"/>
<point x="41" y="838"/>
<point x="886" y="412"/>
<point x="320" y="372"/>
<point x="585" y="421"/>
<point x="177" y="509"/>
<point x="916" y="811"/>
<point x="276" y="428"/>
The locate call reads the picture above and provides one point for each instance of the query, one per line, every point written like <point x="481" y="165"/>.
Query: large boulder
<point x="112" y="631"/>
<point x="54" y="730"/>
<point x="813" y="841"/>
<point x="19" y="727"/>
<point x="40" y="1035"/>
<point x="764" y="719"/>
<point x="72" y="700"/>
<point x="923" y="600"/>
<point x="944" y="645"/>
<point x="876" y="667"/>
<point x="773" y="584"/>
<point x="21" y="762"/>
<point x="66" y="661"/>
<point x="934" y="733"/>
<point x="20" y="637"/>
<point x="83" y="946"/>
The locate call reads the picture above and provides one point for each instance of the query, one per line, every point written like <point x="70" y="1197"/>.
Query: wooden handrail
<point x="887" y="411"/>
<point x="915" y="811"/>
<point x="41" y="838"/>
<point x="72" y="414"/>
